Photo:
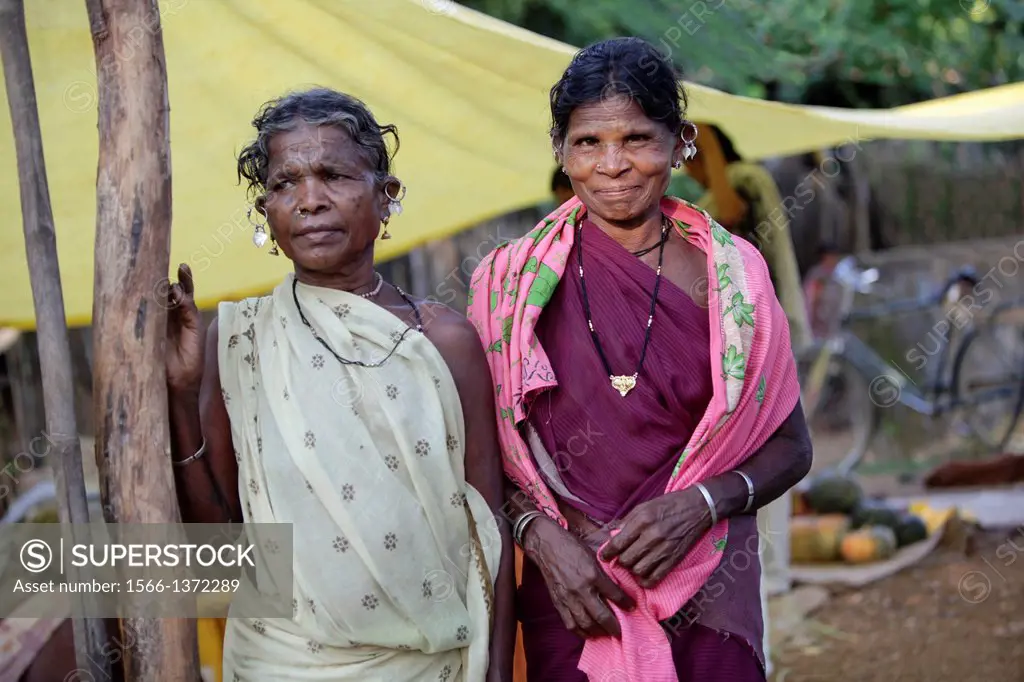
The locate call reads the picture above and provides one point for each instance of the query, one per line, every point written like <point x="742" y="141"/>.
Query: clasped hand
<point x="656" y="535"/>
<point x="652" y="540"/>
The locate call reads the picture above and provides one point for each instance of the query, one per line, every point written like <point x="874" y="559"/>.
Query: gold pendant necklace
<point x="623" y="383"/>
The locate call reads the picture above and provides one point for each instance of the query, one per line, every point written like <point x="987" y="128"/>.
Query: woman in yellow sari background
<point x="743" y="197"/>
<point x="362" y="417"/>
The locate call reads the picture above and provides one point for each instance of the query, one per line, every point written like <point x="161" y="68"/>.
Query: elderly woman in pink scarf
<point x="647" y="398"/>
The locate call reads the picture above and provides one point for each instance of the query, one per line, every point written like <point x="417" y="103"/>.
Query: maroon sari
<point x="613" y="453"/>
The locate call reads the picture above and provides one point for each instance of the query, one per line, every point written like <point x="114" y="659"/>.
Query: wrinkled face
<point x="620" y="161"/>
<point x="323" y="204"/>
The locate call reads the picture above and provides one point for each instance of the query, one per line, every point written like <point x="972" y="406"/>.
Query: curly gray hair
<point x="318" y="107"/>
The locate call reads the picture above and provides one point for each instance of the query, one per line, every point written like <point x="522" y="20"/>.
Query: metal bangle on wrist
<point x="524" y="520"/>
<point x="750" y="491"/>
<point x="188" y="460"/>
<point x="710" y="500"/>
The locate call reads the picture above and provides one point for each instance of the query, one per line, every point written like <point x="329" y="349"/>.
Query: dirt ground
<point x="952" y="617"/>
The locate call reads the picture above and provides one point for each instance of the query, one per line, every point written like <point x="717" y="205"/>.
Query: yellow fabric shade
<point x="468" y="93"/>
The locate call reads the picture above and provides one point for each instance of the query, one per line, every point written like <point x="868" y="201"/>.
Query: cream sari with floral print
<point x="394" y="552"/>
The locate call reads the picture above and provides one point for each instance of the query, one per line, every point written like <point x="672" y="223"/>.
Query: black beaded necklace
<point x="652" y="247"/>
<point x="623" y="383"/>
<point x="359" y="363"/>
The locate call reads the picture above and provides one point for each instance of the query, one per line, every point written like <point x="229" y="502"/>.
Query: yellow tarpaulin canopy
<point x="468" y="93"/>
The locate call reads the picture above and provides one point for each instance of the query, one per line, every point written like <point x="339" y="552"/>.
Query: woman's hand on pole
<point x="186" y="335"/>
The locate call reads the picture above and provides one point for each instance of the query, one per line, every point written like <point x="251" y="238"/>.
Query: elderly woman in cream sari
<point x="343" y="406"/>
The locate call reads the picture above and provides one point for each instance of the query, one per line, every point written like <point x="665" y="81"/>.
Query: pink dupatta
<point x="755" y="390"/>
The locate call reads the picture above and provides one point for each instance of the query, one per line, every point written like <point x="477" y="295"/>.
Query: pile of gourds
<point x="834" y="522"/>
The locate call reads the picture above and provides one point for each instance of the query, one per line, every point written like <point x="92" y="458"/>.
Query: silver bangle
<point x="521" y="523"/>
<point x="750" y="491"/>
<point x="199" y="453"/>
<point x="709" y="500"/>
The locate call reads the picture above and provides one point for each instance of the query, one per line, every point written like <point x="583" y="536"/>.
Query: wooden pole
<point x="51" y="326"/>
<point x="133" y="230"/>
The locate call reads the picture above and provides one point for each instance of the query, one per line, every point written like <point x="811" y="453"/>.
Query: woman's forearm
<point x="503" y="637"/>
<point x="199" y="500"/>
<point x="518" y="503"/>
<point x="780" y="464"/>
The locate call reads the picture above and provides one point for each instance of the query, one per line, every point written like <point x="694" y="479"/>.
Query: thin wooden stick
<point x="48" y="297"/>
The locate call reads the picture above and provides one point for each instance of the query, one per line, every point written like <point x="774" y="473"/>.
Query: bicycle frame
<point x="884" y="375"/>
<point x="938" y="396"/>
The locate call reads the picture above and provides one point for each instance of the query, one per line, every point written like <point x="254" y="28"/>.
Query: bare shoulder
<point x="453" y="334"/>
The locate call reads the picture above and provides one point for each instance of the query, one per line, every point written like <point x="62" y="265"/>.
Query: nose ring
<point x="301" y="211"/>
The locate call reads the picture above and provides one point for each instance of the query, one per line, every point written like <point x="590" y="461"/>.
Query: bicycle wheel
<point x="837" y="404"/>
<point x="988" y="380"/>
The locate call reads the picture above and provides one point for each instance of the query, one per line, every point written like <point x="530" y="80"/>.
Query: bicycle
<point x="844" y="366"/>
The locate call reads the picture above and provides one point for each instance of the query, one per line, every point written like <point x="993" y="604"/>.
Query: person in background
<point x="561" y="187"/>
<point x="342" y="406"/>
<point x="823" y="299"/>
<point x="743" y="198"/>
<point x="822" y="294"/>
<point x="645" y="412"/>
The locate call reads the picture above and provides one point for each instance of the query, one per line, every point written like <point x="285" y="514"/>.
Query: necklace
<point x="623" y="383"/>
<point x="652" y="247"/>
<point x="376" y="290"/>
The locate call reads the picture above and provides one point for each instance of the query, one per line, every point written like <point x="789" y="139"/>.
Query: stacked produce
<point x="834" y="522"/>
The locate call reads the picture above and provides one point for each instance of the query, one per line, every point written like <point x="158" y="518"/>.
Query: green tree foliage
<point x="834" y="52"/>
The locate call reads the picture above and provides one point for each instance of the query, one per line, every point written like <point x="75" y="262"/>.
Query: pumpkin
<point x="814" y="539"/>
<point x="910" y="529"/>
<point x="874" y="513"/>
<point x="868" y="544"/>
<point x="833" y="493"/>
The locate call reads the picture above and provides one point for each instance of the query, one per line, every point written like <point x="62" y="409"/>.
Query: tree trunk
<point x="54" y="349"/>
<point x="133" y="227"/>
